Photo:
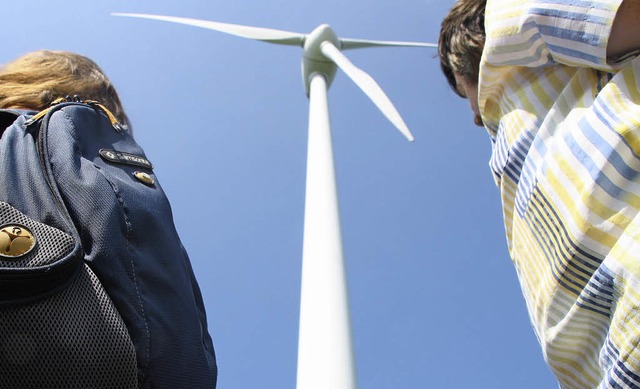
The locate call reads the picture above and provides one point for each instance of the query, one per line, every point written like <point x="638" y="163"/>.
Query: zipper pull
<point x="41" y="114"/>
<point x="114" y="122"/>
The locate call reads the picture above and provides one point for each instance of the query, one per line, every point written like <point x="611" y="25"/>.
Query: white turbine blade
<point x="368" y="85"/>
<point x="257" y="33"/>
<point x="362" y="43"/>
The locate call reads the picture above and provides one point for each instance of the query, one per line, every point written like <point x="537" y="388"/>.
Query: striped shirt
<point x="565" y="128"/>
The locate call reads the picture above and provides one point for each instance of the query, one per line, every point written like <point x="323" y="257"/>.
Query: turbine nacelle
<point x="314" y="61"/>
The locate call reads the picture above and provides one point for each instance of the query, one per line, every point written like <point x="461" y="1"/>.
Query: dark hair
<point x="461" y="41"/>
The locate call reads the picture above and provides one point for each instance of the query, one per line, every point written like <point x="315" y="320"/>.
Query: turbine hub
<point x="314" y="62"/>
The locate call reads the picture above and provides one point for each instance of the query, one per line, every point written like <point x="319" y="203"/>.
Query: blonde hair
<point x="36" y="79"/>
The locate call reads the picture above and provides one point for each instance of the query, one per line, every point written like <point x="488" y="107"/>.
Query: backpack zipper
<point x="93" y="103"/>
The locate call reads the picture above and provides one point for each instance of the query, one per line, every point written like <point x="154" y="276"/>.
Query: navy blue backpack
<point x="96" y="289"/>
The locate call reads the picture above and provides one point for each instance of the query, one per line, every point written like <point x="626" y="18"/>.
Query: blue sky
<point x="435" y="301"/>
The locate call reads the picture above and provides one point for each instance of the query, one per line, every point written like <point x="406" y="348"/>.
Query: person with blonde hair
<point x="36" y="79"/>
<point x="556" y="84"/>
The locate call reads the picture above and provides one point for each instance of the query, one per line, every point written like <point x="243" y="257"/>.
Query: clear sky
<point x="435" y="301"/>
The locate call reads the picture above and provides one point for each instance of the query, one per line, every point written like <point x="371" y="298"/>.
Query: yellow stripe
<point x="577" y="372"/>
<point x="569" y="203"/>
<point x="624" y="331"/>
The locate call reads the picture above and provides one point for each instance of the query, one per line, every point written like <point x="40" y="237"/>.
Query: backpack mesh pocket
<point x="72" y="338"/>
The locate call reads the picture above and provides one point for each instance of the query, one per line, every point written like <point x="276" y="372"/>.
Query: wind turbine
<point x="325" y="353"/>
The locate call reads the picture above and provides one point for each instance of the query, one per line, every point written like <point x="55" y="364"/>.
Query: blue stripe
<point x="603" y="79"/>
<point x="562" y="256"/>
<point x="571" y="36"/>
<point x="568" y="52"/>
<point x="567" y="260"/>
<point x="613" y="365"/>
<point x="591" y="260"/>
<point x="600" y="110"/>
<point x="514" y="164"/>
<point x="506" y="157"/>
<point x="609" y="354"/>
<point x="499" y="155"/>
<point x="512" y="174"/>
<point x="565" y="250"/>
<point x="598" y="176"/>
<point x="613" y="156"/>
<point x="527" y="178"/>
<point x="618" y="370"/>
<point x="602" y="283"/>
<point x="605" y="280"/>
<point x="635" y="378"/>
<point x="579" y="3"/>
<point x="566" y="15"/>
<point x="539" y="236"/>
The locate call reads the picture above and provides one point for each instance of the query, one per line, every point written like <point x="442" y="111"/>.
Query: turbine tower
<point x="325" y="352"/>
